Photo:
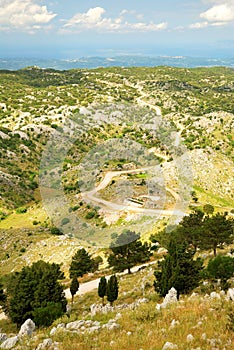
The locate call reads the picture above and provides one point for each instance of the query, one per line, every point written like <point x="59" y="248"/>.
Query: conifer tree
<point x="102" y="288"/>
<point x="221" y="267"/>
<point x="112" y="289"/>
<point x="81" y="264"/>
<point x="74" y="287"/>
<point x="127" y="251"/>
<point x="178" y="270"/>
<point x="36" y="293"/>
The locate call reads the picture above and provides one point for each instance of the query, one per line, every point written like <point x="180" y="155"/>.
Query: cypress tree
<point x="112" y="289"/>
<point x="74" y="287"/>
<point x="102" y="288"/>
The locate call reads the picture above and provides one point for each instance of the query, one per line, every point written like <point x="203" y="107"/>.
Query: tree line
<point x="36" y="292"/>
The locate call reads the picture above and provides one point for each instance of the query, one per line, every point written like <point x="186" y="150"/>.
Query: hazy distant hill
<point x="118" y="61"/>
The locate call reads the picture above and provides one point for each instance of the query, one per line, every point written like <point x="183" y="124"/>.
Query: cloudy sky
<point x="76" y="28"/>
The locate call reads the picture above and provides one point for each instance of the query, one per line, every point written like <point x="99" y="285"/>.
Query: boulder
<point x="45" y="344"/>
<point x="215" y="295"/>
<point x="173" y="324"/>
<point x="27" y="328"/>
<point x="169" y="299"/>
<point x="230" y="294"/>
<point x="189" y="338"/>
<point x="169" y="346"/>
<point x="9" y="343"/>
<point x="3" y="337"/>
<point x="75" y="325"/>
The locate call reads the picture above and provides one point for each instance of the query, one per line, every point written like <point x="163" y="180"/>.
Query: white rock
<point x="190" y="338"/>
<point x="193" y="295"/>
<point x="174" y="323"/>
<point x="3" y="337"/>
<point x="27" y="328"/>
<point x="204" y="336"/>
<point x="215" y="295"/>
<point x="112" y="326"/>
<point x="45" y="344"/>
<point x="230" y="294"/>
<point x="129" y="333"/>
<point x="75" y="324"/>
<point x="94" y="329"/>
<point x="9" y="343"/>
<point x="53" y="331"/>
<point x="169" y="299"/>
<point x="169" y="346"/>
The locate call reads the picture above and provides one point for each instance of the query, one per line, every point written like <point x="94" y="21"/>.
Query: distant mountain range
<point x="119" y="61"/>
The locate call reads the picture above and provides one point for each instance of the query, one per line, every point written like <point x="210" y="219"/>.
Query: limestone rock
<point x="9" y="343"/>
<point x="75" y="325"/>
<point x="169" y="299"/>
<point x="189" y="338"/>
<point x="45" y="344"/>
<point x="169" y="346"/>
<point x="3" y="337"/>
<point x="215" y="295"/>
<point x="27" y="328"/>
<point x="230" y="294"/>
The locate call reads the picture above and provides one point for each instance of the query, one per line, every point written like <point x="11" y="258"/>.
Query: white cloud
<point x="199" y="25"/>
<point x="94" y="19"/>
<point x="25" y="15"/>
<point x="219" y="13"/>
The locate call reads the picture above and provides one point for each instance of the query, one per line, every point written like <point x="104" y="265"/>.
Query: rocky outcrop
<point x="169" y="299"/>
<point x="9" y="343"/>
<point x="27" y="328"/>
<point x="104" y="309"/>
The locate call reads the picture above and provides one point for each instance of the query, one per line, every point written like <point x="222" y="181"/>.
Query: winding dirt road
<point x="90" y="286"/>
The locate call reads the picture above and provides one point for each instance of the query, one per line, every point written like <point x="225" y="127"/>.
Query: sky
<point x="76" y="28"/>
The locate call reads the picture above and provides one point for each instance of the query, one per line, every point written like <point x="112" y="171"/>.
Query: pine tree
<point x="221" y="267"/>
<point x="112" y="289"/>
<point x="178" y="270"/>
<point x="81" y="264"/>
<point x="102" y="288"/>
<point x="3" y="297"/>
<point x="127" y="251"/>
<point x="36" y="293"/>
<point x="74" y="287"/>
<point x="217" y="230"/>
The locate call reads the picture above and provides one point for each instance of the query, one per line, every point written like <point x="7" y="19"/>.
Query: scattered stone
<point x="27" y="328"/>
<point x="169" y="299"/>
<point x="75" y="325"/>
<point x="9" y="343"/>
<point x="3" y="337"/>
<point x="230" y="294"/>
<point x="94" y="329"/>
<point x="111" y="326"/>
<point x="169" y="346"/>
<point x="190" y="338"/>
<point x="129" y="333"/>
<point x="112" y="343"/>
<point x="45" y="344"/>
<point x="193" y="295"/>
<point x="174" y="323"/>
<point x="53" y="331"/>
<point x="215" y="295"/>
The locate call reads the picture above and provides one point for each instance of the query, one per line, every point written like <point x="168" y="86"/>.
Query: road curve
<point x="90" y="286"/>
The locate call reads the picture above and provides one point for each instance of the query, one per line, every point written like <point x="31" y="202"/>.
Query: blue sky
<point x="73" y="28"/>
